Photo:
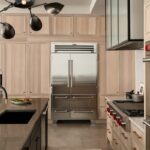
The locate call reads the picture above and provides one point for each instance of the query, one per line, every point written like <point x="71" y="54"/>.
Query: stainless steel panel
<point x="59" y="69"/>
<point x="83" y="89"/>
<point x="84" y="101"/>
<point x="83" y="114"/>
<point x="84" y="68"/>
<point x="60" y="114"/>
<point x="60" y="89"/>
<point x="60" y="101"/>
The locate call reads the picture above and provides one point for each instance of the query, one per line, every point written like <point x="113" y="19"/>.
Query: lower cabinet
<point x="119" y="139"/>
<point x="34" y="141"/>
<point x="38" y="138"/>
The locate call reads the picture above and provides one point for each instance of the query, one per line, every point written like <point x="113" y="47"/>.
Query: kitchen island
<point x="18" y="136"/>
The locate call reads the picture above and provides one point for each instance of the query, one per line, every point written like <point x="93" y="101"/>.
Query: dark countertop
<point x="14" y="136"/>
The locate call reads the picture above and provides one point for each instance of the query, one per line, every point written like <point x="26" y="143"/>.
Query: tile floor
<point x="77" y="136"/>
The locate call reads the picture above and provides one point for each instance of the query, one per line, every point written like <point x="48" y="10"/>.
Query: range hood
<point x="124" y="24"/>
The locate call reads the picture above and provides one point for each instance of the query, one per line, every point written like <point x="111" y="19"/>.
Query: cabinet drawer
<point x="83" y="102"/>
<point x="60" y="102"/>
<point x="83" y="114"/>
<point x="137" y="138"/>
<point x="125" y="138"/>
<point x="60" y="114"/>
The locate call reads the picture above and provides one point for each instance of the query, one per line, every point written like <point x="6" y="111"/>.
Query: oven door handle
<point x="146" y="59"/>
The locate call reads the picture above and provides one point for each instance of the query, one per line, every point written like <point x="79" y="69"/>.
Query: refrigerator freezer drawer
<point x="83" y="115"/>
<point x="84" y="101"/>
<point x="60" y="101"/>
<point x="60" y="114"/>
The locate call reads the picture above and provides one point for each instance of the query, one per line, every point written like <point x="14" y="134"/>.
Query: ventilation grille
<point x="74" y="48"/>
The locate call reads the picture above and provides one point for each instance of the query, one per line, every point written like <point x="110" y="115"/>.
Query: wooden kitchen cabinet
<point x="86" y="26"/>
<point x="119" y="72"/>
<point x="46" y="23"/>
<point x="26" y="70"/>
<point x="112" y="72"/>
<point x="137" y="137"/>
<point x="38" y="69"/>
<point x="126" y="71"/>
<point x="18" y="21"/>
<point x="147" y="22"/>
<point x="15" y="69"/>
<point x="62" y="26"/>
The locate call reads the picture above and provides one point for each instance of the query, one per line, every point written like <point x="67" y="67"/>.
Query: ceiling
<point x="71" y="7"/>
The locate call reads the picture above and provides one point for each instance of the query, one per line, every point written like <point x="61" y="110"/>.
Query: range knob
<point x="123" y="123"/>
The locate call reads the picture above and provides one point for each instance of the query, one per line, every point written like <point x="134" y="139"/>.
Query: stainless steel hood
<point x="124" y="24"/>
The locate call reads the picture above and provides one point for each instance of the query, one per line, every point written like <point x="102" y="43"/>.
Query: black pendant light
<point x="7" y="30"/>
<point x="53" y="8"/>
<point x="35" y="22"/>
<point x="23" y="3"/>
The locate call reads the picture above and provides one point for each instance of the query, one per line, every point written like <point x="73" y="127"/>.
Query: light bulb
<point x="24" y="2"/>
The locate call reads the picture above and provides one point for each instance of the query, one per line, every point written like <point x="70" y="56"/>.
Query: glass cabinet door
<point x="115" y="26"/>
<point x="123" y="20"/>
<point x="108" y="23"/>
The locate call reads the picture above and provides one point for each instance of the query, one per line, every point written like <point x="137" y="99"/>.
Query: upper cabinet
<point x="18" y="21"/>
<point x="62" y="26"/>
<point x="115" y="25"/>
<point x="45" y="26"/>
<point x="86" y="26"/>
<point x="124" y="23"/>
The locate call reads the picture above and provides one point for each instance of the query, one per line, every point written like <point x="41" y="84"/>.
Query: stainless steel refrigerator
<point x="74" y="81"/>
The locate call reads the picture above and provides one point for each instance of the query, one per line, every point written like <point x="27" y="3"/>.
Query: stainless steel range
<point x="121" y="110"/>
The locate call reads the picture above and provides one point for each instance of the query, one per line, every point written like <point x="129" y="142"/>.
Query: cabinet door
<point x="15" y="72"/>
<point x="123" y="20"/>
<point x="112" y="72"/>
<point x="115" y="24"/>
<point x="127" y="71"/>
<point x="38" y="70"/>
<point x="147" y="22"/>
<point x="86" y="26"/>
<point x="108" y="23"/>
<point x="18" y="21"/>
<point x="62" y="26"/>
<point x="45" y="26"/>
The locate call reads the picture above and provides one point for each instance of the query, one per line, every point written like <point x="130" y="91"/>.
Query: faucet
<point x="5" y="92"/>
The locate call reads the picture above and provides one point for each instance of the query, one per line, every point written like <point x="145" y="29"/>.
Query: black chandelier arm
<point x="7" y="7"/>
<point x="8" y="1"/>
<point x="38" y="5"/>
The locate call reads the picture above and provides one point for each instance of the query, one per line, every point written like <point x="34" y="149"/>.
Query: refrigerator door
<point x="83" y="70"/>
<point x="60" y="71"/>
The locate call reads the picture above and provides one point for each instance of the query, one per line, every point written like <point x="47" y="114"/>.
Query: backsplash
<point x="139" y="68"/>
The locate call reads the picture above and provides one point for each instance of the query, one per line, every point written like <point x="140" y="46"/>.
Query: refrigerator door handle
<point x="71" y="70"/>
<point x="68" y="80"/>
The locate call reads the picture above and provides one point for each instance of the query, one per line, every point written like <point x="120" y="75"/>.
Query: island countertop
<point x="14" y="136"/>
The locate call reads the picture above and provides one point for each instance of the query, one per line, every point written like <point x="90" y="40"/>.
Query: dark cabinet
<point x="38" y="139"/>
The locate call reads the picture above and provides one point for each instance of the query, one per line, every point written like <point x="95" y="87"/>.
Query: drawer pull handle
<point x="124" y="136"/>
<point x="60" y="111"/>
<point x="61" y="97"/>
<point x="74" y="97"/>
<point x="134" y="148"/>
<point x="83" y="111"/>
<point x="135" y="133"/>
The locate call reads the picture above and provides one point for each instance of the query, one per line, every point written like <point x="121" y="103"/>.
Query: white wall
<point x="139" y="68"/>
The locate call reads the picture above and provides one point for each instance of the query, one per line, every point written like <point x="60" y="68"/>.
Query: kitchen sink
<point x="16" y="116"/>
